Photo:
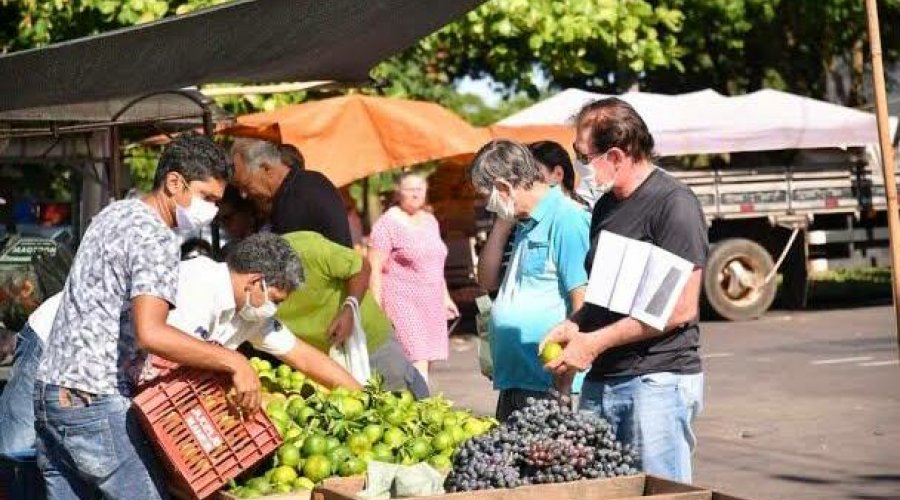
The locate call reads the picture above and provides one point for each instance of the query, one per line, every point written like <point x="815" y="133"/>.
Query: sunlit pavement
<point x="798" y="405"/>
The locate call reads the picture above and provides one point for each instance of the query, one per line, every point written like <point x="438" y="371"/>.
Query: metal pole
<point x="887" y="154"/>
<point x="115" y="163"/>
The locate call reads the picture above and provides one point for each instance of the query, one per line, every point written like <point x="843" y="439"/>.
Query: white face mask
<point x="505" y="211"/>
<point x="258" y="313"/>
<point x="197" y="215"/>
<point x="588" y="188"/>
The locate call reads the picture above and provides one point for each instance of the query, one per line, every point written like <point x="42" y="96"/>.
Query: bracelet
<point x="351" y="300"/>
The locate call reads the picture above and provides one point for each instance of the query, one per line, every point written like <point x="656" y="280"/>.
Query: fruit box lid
<point x="617" y="488"/>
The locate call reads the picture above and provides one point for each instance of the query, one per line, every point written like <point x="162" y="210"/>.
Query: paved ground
<point x="798" y="405"/>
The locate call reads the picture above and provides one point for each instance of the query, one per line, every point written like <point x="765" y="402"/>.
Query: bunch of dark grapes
<point x="545" y="442"/>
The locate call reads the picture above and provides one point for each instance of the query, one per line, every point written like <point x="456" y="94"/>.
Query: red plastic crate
<point x="203" y="442"/>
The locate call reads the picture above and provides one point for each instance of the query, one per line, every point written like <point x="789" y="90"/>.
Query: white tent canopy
<point x="708" y="122"/>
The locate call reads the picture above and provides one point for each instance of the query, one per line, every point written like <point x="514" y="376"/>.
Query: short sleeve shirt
<point x="126" y="252"/>
<point x="308" y="201"/>
<point x="206" y="309"/>
<point x="327" y="266"/>
<point x="665" y="213"/>
<point x="546" y="265"/>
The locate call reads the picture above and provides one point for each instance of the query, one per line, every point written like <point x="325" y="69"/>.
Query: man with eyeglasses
<point x="647" y="383"/>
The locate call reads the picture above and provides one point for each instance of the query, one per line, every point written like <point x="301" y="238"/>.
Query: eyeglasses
<point x="583" y="158"/>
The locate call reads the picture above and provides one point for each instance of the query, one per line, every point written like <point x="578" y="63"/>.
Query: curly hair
<point x="271" y="256"/>
<point x="196" y="157"/>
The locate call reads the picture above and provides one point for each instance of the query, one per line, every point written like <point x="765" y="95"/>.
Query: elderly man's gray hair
<point x="255" y="152"/>
<point x="271" y="256"/>
<point x="504" y="160"/>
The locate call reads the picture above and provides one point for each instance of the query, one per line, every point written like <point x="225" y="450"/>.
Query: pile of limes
<point x="337" y="433"/>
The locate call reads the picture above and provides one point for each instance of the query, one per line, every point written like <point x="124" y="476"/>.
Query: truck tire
<point x="733" y="280"/>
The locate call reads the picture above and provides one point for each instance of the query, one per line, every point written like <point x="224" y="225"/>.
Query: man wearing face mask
<point x="112" y="313"/>
<point x="648" y="384"/>
<point x="545" y="280"/>
<point x="226" y="303"/>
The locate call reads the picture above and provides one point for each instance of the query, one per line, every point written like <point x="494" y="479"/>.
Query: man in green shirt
<point x="318" y="312"/>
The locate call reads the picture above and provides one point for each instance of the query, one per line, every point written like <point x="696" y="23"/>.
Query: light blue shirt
<point x="547" y="263"/>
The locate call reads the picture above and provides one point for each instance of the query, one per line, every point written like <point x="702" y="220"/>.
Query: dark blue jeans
<point x="16" y="407"/>
<point x="91" y="445"/>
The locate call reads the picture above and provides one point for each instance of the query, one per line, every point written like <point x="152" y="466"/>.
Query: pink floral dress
<point x="412" y="283"/>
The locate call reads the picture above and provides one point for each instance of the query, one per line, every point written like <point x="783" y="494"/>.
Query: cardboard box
<point x="619" y="488"/>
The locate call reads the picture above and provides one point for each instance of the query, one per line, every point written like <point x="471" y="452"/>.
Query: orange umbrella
<point x="351" y="137"/>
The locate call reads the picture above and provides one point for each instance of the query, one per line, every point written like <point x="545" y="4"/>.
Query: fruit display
<point x="336" y="433"/>
<point x="546" y="442"/>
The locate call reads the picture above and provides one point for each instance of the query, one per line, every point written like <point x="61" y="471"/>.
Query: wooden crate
<point x="636" y="487"/>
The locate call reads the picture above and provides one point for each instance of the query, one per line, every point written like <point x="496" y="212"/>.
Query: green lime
<point x="275" y="406"/>
<point x="283" y="371"/>
<point x="442" y="441"/>
<point x="339" y="455"/>
<point x="420" y="448"/>
<point x="332" y="442"/>
<point x="433" y="416"/>
<point x="373" y="432"/>
<point x="458" y="434"/>
<point x="314" y="445"/>
<point x="352" y="467"/>
<point x="317" y="468"/>
<point x="297" y="375"/>
<point x="359" y="443"/>
<point x="288" y="455"/>
<point x="440" y="462"/>
<point x="395" y="417"/>
<point x="383" y="453"/>
<point x="350" y="407"/>
<point x="473" y="427"/>
<point x="284" y="474"/>
<point x="394" y="437"/>
<point x="302" y="483"/>
<point x="550" y="352"/>
<point x="293" y="432"/>
<point x="450" y="422"/>
<point x="305" y="414"/>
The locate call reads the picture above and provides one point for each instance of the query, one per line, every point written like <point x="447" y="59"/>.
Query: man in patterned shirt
<point x="113" y="313"/>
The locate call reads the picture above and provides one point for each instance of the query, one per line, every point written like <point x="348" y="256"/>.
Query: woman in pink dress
<point x="407" y="257"/>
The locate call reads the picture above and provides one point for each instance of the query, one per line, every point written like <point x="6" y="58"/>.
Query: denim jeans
<point x="92" y="445"/>
<point x="16" y="407"/>
<point x="654" y="413"/>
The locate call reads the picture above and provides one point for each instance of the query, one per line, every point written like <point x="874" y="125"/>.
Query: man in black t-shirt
<point x="647" y="383"/>
<point x="299" y="199"/>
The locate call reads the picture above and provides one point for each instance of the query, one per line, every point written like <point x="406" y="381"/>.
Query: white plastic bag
<point x="354" y="354"/>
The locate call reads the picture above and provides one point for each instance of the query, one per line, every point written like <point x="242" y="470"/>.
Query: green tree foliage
<point x="803" y="46"/>
<point x="596" y="43"/>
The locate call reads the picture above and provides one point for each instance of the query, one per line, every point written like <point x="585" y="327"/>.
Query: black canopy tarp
<point x="248" y="41"/>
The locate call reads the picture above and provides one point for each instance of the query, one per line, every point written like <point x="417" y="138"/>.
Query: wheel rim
<point x="741" y="280"/>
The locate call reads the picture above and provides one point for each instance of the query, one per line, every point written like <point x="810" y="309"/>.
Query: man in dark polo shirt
<point x="647" y="383"/>
<point x="300" y="200"/>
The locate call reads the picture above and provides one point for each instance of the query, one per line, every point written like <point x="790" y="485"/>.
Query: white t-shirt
<point x="205" y="308"/>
